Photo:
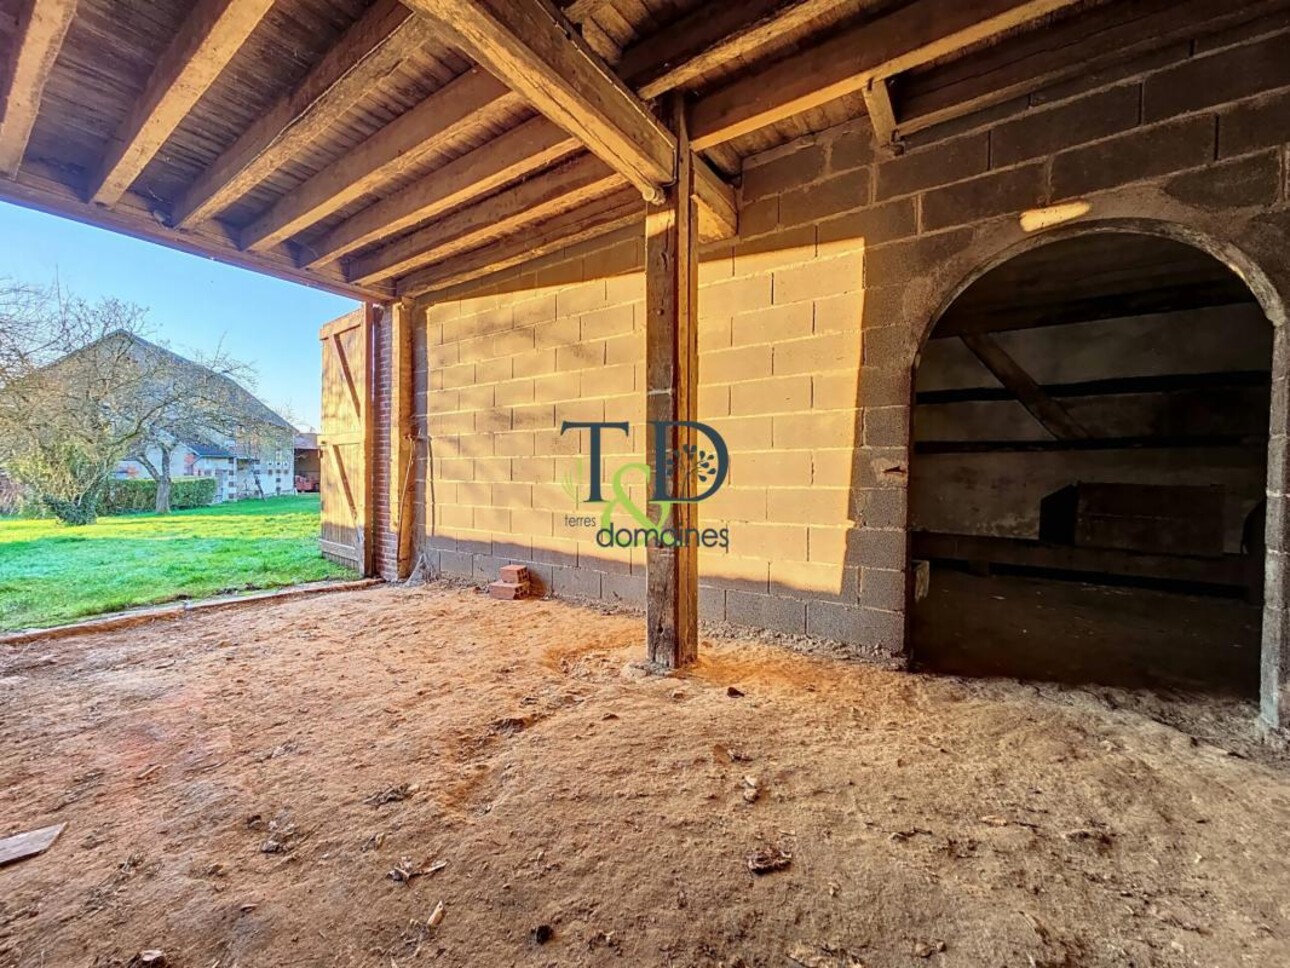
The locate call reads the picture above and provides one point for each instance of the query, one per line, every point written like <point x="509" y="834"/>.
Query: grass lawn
<point x="51" y="574"/>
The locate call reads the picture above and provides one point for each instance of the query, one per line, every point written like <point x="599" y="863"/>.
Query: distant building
<point x="260" y="465"/>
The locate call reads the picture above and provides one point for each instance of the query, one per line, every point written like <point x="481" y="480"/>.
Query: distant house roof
<point x="306" y="441"/>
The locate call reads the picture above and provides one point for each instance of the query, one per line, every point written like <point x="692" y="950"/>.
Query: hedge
<point x="140" y="494"/>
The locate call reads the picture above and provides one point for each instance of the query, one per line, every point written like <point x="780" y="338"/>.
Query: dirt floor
<point x="305" y="783"/>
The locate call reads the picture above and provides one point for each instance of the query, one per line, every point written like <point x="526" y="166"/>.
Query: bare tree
<point x="80" y="391"/>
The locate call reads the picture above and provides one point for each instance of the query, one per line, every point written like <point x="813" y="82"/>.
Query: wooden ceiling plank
<point x="383" y="38"/>
<point x="207" y="41"/>
<point x="534" y="50"/>
<point x="472" y="101"/>
<point x="911" y="36"/>
<point x="42" y="26"/>
<point x="712" y="36"/>
<point x="528" y="203"/>
<point x="620" y="210"/>
<point x="518" y="153"/>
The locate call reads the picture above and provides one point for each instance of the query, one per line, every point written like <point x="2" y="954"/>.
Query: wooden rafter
<point x="528" y="203"/>
<point x="714" y="35"/>
<point x="910" y="37"/>
<point x="468" y="104"/>
<point x="384" y="37"/>
<point x="210" y="37"/>
<point x="42" y="26"/>
<point x="882" y="113"/>
<point x="616" y="211"/>
<point x="1055" y="418"/>
<point x="529" y="45"/>
<point x="533" y="146"/>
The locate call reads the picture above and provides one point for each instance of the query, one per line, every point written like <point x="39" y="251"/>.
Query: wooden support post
<point x="401" y="481"/>
<point x="671" y="380"/>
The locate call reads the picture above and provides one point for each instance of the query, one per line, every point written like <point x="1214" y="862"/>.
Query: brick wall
<point x="810" y="322"/>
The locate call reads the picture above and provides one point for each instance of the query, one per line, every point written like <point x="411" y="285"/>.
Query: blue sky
<point x="193" y="303"/>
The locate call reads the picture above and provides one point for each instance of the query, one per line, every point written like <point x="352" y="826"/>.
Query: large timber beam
<point x="672" y="389"/>
<point x="912" y="36"/>
<point x="469" y="104"/>
<point x="616" y="211"/>
<point x="383" y="38"/>
<point x="210" y="37"/>
<point x="42" y="26"/>
<point x="1055" y="418"/>
<point x="535" y="51"/>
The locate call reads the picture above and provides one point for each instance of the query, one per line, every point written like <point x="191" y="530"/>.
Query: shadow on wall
<point x="783" y="379"/>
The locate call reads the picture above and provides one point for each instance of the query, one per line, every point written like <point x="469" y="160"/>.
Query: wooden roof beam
<point x="616" y="211"/>
<point x="1054" y="417"/>
<point x="209" y="38"/>
<point x="535" y="51"/>
<point x="527" y="204"/>
<point x="533" y="146"/>
<point x="469" y="103"/>
<point x="382" y="38"/>
<point x="42" y="26"/>
<point x="914" y="35"/>
<point x="712" y="36"/>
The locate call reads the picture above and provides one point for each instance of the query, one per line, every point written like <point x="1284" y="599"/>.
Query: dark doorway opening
<point x="1090" y="444"/>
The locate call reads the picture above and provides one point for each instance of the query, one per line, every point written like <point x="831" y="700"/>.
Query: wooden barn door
<point x="346" y="439"/>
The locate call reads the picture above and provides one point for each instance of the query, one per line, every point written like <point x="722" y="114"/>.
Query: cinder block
<point x="852" y="147"/>
<point x="821" y="278"/>
<point x="1258" y="124"/>
<point x="581" y="298"/>
<point x="989" y="196"/>
<point x="882" y="589"/>
<point x="816" y="354"/>
<point x="614" y="321"/>
<point x="1227" y="75"/>
<point x="736" y="365"/>
<point x="1246" y="182"/>
<point x="882" y="508"/>
<point x="834" y="196"/>
<point x="1046" y="131"/>
<point x="576" y="582"/>
<point x="760" y="217"/>
<point x="771" y="325"/>
<point x="886" y="426"/>
<point x="515" y="574"/>
<point x="772" y="612"/>
<point x="740" y="295"/>
<point x="775" y="395"/>
<point x="623" y="589"/>
<point x="868" y="227"/>
<point x="940" y="164"/>
<point x="787" y="171"/>
<point x="1142" y="153"/>
<point x="898" y="263"/>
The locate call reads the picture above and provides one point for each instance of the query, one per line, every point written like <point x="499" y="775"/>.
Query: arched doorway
<point x="1088" y="466"/>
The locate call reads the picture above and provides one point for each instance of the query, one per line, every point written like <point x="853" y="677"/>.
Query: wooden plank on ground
<point x="208" y="40"/>
<point x="29" y="844"/>
<point x="42" y="26"/>
<point x="382" y="38"/>
<point x="913" y="35"/>
<point x="534" y="50"/>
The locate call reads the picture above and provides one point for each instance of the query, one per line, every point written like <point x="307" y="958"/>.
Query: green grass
<point x="51" y="574"/>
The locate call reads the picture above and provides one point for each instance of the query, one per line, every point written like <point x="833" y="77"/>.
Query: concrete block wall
<point x="810" y="323"/>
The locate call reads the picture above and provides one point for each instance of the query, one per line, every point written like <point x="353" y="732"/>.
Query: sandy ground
<point x="240" y="788"/>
